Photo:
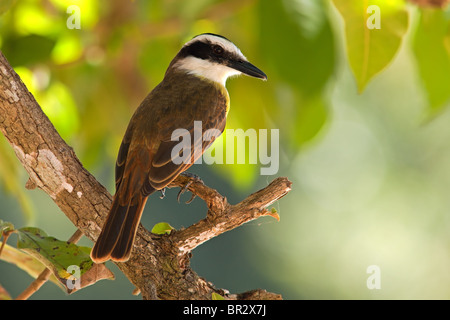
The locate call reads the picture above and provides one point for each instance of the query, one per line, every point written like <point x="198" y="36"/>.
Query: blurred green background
<point x="364" y="131"/>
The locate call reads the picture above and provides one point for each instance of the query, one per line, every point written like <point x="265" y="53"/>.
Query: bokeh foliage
<point x="324" y="65"/>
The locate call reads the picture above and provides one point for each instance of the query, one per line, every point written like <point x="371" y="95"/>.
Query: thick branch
<point x="159" y="266"/>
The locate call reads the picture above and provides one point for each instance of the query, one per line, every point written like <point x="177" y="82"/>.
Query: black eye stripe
<point x="206" y="51"/>
<point x="197" y="49"/>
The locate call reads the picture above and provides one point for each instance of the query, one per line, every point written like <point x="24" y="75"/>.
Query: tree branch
<point x="159" y="266"/>
<point x="222" y="216"/>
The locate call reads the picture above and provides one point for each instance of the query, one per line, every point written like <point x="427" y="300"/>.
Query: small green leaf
<point x="216" y="296"/>
<point x="162" y="228"/>
<point x="5" y="226"/>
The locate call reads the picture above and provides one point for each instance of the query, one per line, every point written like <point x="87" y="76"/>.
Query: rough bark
<point x="159" y="266"/>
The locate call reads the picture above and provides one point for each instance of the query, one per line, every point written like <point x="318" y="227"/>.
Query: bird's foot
<point x="163" y="193"/>
<point x="192" y="178"/>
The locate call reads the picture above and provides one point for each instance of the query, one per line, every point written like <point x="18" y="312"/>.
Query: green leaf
<point x="301" y="47"/>
<point x="300" y="59"/>
<point x="62" y="258"/>
<point x="216" y="296"/>
<point x="25" y="262"/>
<point x="59" y="105"/>
<point x="432" y="52"/>
<point x="28" y="50"/>
<point x="370" y="50"/>
<point x="67" y="49"/>
<point x="162" y="228"/>
<point x="52" y="252"/>
<point x="310" y="119"/>
<point x="5" y="226"/>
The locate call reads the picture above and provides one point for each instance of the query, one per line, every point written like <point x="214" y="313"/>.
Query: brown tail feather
<point x="116" y="239"/>
<point x="124" y="244"/>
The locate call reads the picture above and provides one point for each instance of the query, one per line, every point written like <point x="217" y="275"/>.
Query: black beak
<point x="247" y="68"/>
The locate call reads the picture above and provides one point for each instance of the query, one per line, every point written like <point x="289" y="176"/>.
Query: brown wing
<point x="165" y="168"/>
<point x="148" y="144"/>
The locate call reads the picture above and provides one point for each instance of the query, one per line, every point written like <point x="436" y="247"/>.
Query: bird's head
<point x="215" y="58"/>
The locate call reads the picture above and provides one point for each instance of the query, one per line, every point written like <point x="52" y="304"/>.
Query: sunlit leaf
<point x="431" y="49"/>
<point x="310" y="119"/>
<point x="216" y="296"/>
<point x="5" y="226"/>
<point x="162" y="228"/>
<point x="301" y="47"/>
<point x="59" y="106"/>
<point x="300" y="53"/>
<point x="67" y="49"/>
<point x="374" y="31"/>
<point x="32" y="19"/>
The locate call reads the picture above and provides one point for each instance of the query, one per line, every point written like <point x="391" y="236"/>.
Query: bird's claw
<point x="163" y="193"/>
<point x="183" y="190"/>
<point x="192" y="177"/>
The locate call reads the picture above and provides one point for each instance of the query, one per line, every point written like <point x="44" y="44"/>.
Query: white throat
<point x="206" y="69"/>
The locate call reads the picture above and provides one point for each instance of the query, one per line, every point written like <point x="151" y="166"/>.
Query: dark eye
<point x="218" y="50"/>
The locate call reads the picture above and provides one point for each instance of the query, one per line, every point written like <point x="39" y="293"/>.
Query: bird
<point x="192" y="90"/>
